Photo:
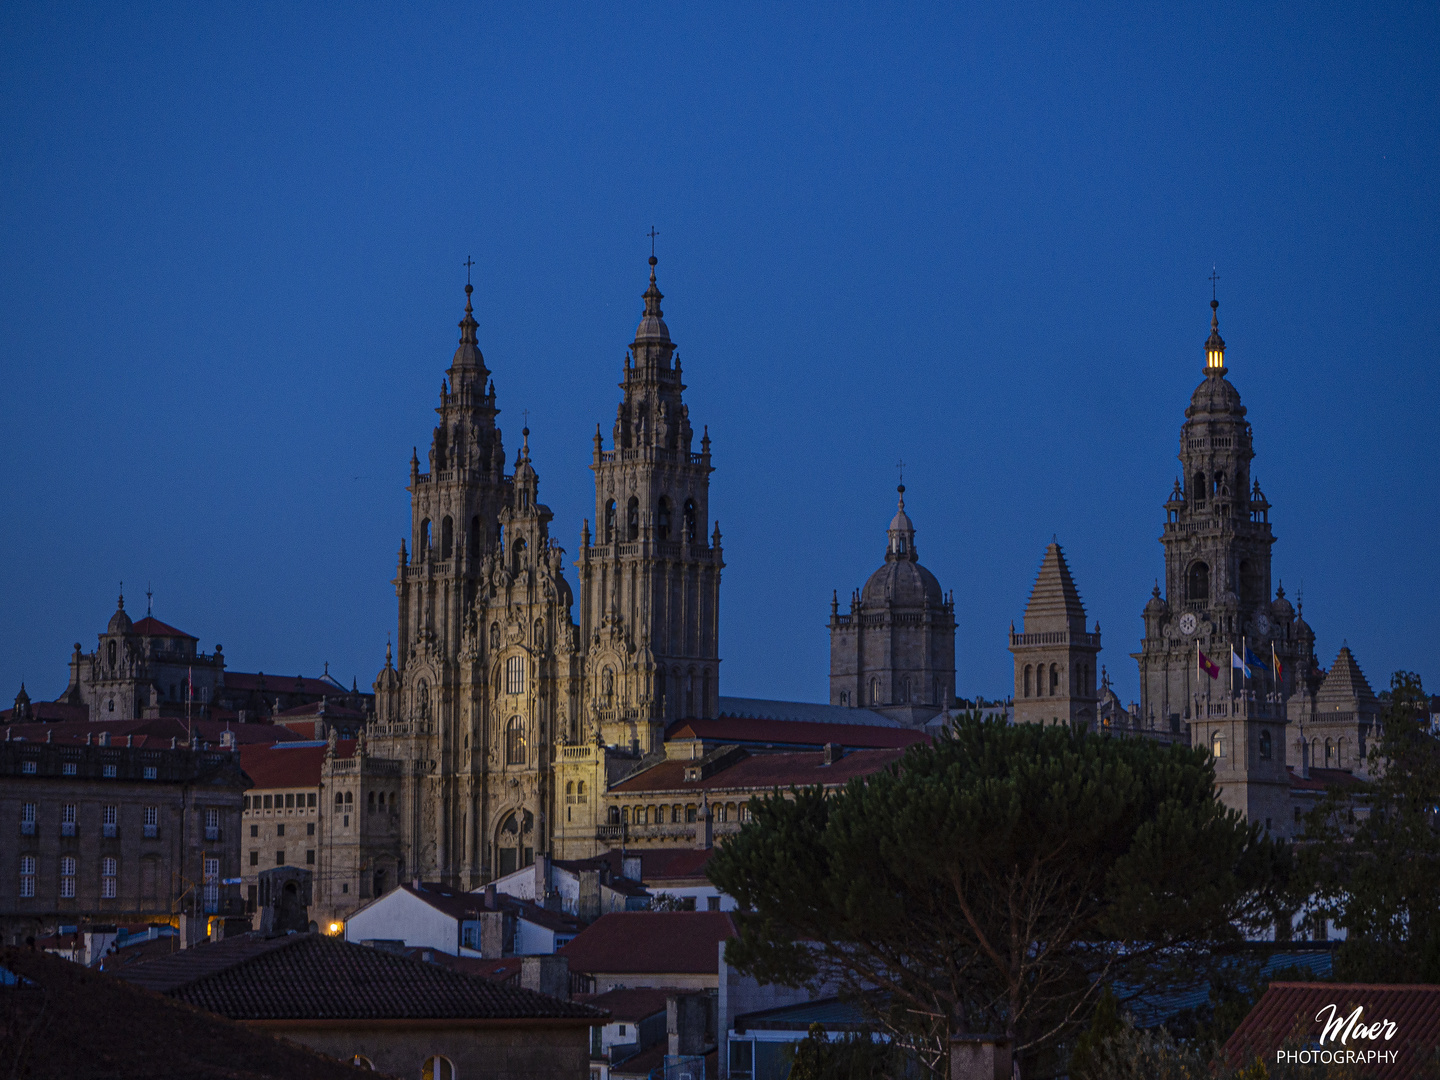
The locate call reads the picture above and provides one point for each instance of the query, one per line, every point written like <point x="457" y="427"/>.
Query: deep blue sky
<point x="231" y="240"/>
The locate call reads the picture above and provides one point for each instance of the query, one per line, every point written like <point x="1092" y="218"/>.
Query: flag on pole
<point x="1275" y="659"/>
<point x="1236" y="662"/>
<point x="1208" y="666"/>
<point x="1251" y="660"/>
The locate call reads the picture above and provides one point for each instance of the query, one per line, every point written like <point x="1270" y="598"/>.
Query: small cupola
<point x="901" y="545"/>
<point x="1215" y="345"/>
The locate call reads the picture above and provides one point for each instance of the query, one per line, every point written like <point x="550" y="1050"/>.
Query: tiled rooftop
<point x="761" y="772"/>
<point x="651" y="942"/>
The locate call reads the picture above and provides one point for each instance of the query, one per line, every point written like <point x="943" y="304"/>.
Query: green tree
<point x="1372" y="850"/>
<point x="996" y="880"/>
<point x="855" y="1057"/>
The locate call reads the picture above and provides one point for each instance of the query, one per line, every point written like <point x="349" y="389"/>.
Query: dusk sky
<point x="977" y="238"/>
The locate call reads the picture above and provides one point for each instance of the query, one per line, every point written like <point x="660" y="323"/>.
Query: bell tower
<point x="650" y="574"/>
<point x="1217" y="600"/>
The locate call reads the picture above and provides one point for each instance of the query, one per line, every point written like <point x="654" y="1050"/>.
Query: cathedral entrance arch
<point x="515" y="842"/>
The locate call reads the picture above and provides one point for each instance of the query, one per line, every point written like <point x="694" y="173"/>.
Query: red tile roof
<point x="1288" y="1008"/>
<point x="153" y="627"/>
<point x="1321" y="779"/>
<point x="651" y="942"/>
<point x="310" y="976"/>
<point x="282" y="766"/>
<point x="153" y="732"/>
<point x="631" y="1004"/>
<point x="762" y="772"/>
<point x="49" y="712"/>
<point x="462" y="905"/>
<point x="312" y="708"/>
<point x="793" y="734"/>
<point x="656" y="864"/>
<point x="90" y="1026"/>
<point x="280" y="684"/>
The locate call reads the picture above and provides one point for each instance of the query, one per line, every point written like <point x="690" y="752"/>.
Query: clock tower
<point x="1217" y="598"/>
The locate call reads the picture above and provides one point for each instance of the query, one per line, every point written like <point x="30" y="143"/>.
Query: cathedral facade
<point x="493" y="683"/>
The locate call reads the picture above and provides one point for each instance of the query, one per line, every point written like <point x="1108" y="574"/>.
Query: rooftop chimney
<point x="833" y="752"/>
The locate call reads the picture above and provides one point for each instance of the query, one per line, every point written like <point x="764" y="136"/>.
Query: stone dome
<point x="1215" y="396"/>
<point x="903" y="582"/>
<point x="1281" y="610"/>
<point x="652" y="324"/>
<point x="1156" y="606"/>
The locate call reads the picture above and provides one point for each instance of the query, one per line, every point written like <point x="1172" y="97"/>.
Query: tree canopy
<point x="996" y="880"/>
<point x="1371" y="856"/>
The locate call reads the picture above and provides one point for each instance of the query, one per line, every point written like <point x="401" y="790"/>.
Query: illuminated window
<point x="107" y="878"/>
<point x="515" y="741"/>
<point x="1217" y="745"/>
<point x="27" y="875"/>
<point x="438" y="1068"/>
<point x="515" y="675"/>
<point x="67" y="877"/>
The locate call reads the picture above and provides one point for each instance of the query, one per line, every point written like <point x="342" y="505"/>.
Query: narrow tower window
<point x="1198" y="582"/>
<point x="1266" y="746"/>
<point x="662" y="519"/>
<point x="424" y="545"/>
<point x="690" y="521"/>
<point x="515" y="741"/>
<point x="632" y="519"/>
<point x="1197" y="488"/>
<point x="473" y="539"/>
<point x="447" y="538"/>
<point x="1054" y="679"/>
<point x="610" y="522"/>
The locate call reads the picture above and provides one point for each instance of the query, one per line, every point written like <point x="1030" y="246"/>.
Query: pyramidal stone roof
<point x="1054" y="601"/>
<point x="1345" y="685"/>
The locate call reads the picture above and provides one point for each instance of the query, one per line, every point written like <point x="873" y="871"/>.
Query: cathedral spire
<point x="652" y="326"/>
<point x="468" y="356"/>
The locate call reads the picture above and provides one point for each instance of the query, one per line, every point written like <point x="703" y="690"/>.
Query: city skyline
<point x="224" y="347"/>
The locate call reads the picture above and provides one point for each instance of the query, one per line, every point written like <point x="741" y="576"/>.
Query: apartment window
<point x="28" y="768"/>
<point x="151" y="772"/>
<point x="290" y="801"/>
<point x="212" y="885"/>
<point x="67" y="877"/>
<point x="109" y="772"/>
<point x="27" y="875"/>
<point x="279" y="858"/>
<point x="279" y="830"/>
<point x="310" y="857"/>
<point x="254" y="858"/>
<point x="107" y="878"/>
<point x="712" y="903"/>
<point x="27" y="819"/>
<point x="310" y="800"/>
<point x="152" y="821"/>
<point x="67" y="819"/>
<point x="267" y="802"/>
<point x="212" y="823"/>
<point x="254" y="830"/>
<point x="310" y="828"/>
<point x="68" y="768"/>
<point x="109" y="821"/>
<point x="515" y="675"/>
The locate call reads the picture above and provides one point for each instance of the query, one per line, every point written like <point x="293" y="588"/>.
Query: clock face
<point x="1188" y="623"/>
<point x="1262" y="622"/>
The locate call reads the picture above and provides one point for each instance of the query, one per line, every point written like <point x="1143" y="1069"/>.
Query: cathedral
<point x="493" y="681"/>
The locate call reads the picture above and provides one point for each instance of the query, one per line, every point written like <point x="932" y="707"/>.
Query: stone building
<point x="107" y="831"/>
<point x="1335" y="729"/>
<point x="650" y="577"/>
<point x="1218" y="601"/>
<point x="493" y="678"/>
<point x="894" y="651"/>
<point x="1055" y="655"/>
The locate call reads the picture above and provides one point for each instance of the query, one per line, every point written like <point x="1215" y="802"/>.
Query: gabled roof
<point x="96" y="1027"/>
<point x="51" y="712"/>
<point x="758" y="733"/>
<point x="1321" y="779"/>
<point x="761" y="772"/>
<point x="153" y="732"/>
<point x="463" y="906"/>
<point x="153" y="627"/>
<point x="1288" y="1008"/>
<point x="332" y="709"/>
<point x="282" y="765"/>
<point x="1054" y="601"/>
<point x="656" y="864"/>
<point x="651" y="942"/>
<point x="277" y="684"/>
<point x="1345" y="688"/>
<point x="310" y="976"/>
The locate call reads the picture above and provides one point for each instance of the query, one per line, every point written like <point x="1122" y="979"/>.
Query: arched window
<point x="515" y="841"/>
<point x="424" y="545"/>
<point x="625" y="815"/>
<point x="874" y="691"/>
<point x="844" y="697"/>
<point x="705" y="693"/>
<point x="515" y="741"/>
<point x="1340" y="753"/>
<point x="515" y="675"/>
<point x="580" y="790"/>
<point x="1266" y="747"/>
<point x="472" y="539"/>
<point x="110" y="651"/>
<point x="1249" y="582"/>
<point x="1221" y="488"/>
<point x="339" y="799"/>
<point x="905" y="690"/>
<point x="570" y="787"/>
<point x="1329" y="754"/>
<point x="1054" y="679"/>
<point x="372" y="802"/>
<point x="1198" y="582"/>
<point x="612" y="815"/>
<point x="1197" y="488"/>
<point x="447" y="538"/>
<point x="1027" y="680"/>
<point x="349" y="798"/>
<point x="632" y="519"/>
<point x="438" y="1068"/>
<point x="662" y="519"/>
<point x="690" y="692"/>
<point x="690" y="521"/>
<point x="610" y="522"/>
<point x="360" y="1061"/>
<point x="1217" y="745"/>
